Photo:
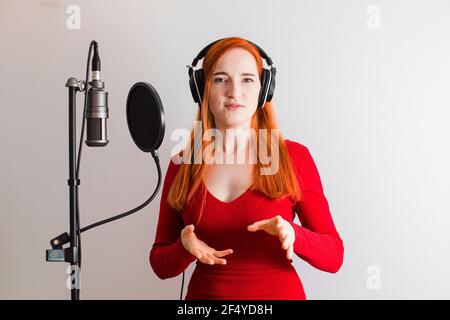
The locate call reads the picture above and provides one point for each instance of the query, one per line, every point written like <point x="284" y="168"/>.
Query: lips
<point x="233" y="105"/>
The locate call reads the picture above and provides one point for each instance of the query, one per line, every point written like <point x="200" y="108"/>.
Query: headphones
<point x="197" y="84"/>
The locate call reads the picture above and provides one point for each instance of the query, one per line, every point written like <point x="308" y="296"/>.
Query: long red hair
<point x="190" y="175"/>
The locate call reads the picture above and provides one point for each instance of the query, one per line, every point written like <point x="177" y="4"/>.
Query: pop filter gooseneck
<point x="146" y="122"/>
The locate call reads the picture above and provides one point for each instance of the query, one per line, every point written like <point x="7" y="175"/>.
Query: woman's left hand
<point x="277" y="226"/>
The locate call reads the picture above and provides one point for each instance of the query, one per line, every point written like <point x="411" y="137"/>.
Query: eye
<point x="218" y="80"/>
<point x="248" y="80"/>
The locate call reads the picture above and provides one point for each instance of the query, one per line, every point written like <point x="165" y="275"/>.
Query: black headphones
<point x="197" y="84"/>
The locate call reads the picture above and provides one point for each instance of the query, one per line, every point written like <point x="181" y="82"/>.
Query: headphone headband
<point x="203" y="52"/>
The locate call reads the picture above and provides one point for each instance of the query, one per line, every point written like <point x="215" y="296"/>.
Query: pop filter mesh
<point x="145" y="117"/>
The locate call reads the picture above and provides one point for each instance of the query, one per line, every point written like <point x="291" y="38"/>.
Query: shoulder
<point x="298" y="152"/>
<point x="295" y="148"/>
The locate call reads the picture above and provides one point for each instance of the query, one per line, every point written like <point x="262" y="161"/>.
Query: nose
<point x="234" y="89"/>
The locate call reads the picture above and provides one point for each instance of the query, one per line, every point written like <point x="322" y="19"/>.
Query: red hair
<point x="190" y="175"/>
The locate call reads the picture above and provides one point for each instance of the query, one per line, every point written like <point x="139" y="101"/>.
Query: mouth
<point x="233" y="106"/>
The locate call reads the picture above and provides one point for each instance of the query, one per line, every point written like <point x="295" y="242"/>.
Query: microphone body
<point x="96" y="115"/>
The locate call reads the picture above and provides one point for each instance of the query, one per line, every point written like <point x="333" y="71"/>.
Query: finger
<point x="283" y="233"/>
<point x="211" y="260"/>
<point x="292" y="238"/>
<point x="204" y="259"/>
<point x="278" y="220"/>
<point x="290" y="251"/>
<point x="285" y="244"/>
<point x="286" y="234"/>
<point x="220" y="261"/>
<point x="223" y="253"/>
<point x="188" y="229"/>
<point x="259" y="225"/>
<point x="288" y="237"/>
<point x="289" y="240"/>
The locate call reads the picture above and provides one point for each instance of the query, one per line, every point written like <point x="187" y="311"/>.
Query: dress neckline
<point x="232" y="202"/>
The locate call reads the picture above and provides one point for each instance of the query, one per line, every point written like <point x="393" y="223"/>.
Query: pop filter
<point x="145" y="116"/>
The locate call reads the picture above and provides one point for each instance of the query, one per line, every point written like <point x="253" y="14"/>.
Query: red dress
<point x="258" y="267"/>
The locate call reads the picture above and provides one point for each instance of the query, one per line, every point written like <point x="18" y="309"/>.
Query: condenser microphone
<point x="97" y="106"/>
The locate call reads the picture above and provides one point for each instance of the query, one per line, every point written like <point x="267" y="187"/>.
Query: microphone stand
<point x="72" y="255"/>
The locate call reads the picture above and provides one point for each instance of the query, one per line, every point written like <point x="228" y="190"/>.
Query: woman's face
<point x="235" y="85"/>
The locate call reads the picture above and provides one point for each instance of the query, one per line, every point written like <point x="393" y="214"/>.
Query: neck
<point x="235" y="143"/>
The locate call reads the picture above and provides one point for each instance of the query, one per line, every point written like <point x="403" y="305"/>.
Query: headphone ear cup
<point x="264" y="84"/>
<point x="271" y="85"/>
<point x="193" y="89"/>
<point x="196" y="85"/>
<point x="200" y="83"/>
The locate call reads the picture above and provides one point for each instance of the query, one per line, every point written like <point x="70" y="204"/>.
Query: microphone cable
<point x="182" y="285"/>
<point x="80" y="147"/>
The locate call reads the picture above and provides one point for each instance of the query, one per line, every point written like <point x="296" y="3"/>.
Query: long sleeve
<point x="168" y="257"/>
<point x="316" y="240"/>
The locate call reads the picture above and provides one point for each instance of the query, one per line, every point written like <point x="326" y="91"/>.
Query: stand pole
<point x="73" y="86"/>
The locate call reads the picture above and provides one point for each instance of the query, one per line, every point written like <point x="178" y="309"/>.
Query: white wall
<point x="371" y="104"/>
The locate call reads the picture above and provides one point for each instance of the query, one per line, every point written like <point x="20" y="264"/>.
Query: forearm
<point x="324" y="251"/>
<point x="168" y="261"/>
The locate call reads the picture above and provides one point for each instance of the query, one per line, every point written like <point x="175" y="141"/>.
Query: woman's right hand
<point x="201" y="250"/>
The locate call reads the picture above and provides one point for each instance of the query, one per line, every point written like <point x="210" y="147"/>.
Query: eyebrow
<point x="226" y="74"/>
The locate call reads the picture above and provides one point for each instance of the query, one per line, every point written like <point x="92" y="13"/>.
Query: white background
<point x="365" y="85"/>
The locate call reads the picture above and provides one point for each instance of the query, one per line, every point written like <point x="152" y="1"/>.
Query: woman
<point x="236" y="219"/>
